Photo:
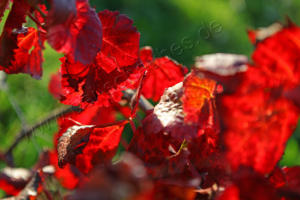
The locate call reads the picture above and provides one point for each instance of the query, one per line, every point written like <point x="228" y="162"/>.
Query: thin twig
<point x="29" y="131"/>
<point x="144" y="104"/>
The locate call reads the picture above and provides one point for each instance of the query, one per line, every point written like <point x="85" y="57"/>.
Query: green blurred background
<point x="181" y="29"/>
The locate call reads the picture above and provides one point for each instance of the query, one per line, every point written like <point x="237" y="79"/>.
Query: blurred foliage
<point x="181" y="29"/>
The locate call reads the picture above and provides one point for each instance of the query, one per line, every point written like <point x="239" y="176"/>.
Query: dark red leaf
<point x="86" y="84"/>
<point x="288" y="186"/>
<point x="249" y="185"/>
<point x="13" y="27"/>
<point x="62" y="13"/>
<point x="75" y="31"/>
<point x="21" y="48"/>
<point x="27" y="56"/>
<point x="126" y="179"/>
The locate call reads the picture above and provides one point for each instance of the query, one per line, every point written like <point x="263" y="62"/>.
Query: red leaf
<point x="21" y="48"/>
<point x="27" y="56"/>
<point x="278" y="58"/>
<point x="62" y="13"/>
<point x="87" y="146"/>
<point x="162" y="73"/>
<point x="86" y="84"/>
<point x="197" y="92"/>
<point x="293" y="95"/>
<point x="80" y="37"/>
<point x="120" y="41"/>
<point x="172" y="114"/>
<point x="167" y="127"/>
<point x="101" y="147"/>
<point x="243" y="185"/>
<point x="12" y="27"/>
<point x="289" y="185"/>
<point x="258" y="118"/>
<point x="257" y="127"/>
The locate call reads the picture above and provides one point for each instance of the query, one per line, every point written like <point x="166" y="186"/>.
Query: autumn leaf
<point x="94" y="83"/>
<point x="120" y="41"/>
<point x="161" y="74"/>
<point x="74" y="30"/>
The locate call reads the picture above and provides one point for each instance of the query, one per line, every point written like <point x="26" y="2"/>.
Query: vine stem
<point x="144" y="104"/>
<point x="29" y="131"/>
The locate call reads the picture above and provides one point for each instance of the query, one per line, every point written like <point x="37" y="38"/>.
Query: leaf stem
<point x="144" y="104"/>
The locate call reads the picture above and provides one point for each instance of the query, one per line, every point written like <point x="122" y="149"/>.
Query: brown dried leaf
<point x="72" y="142"/>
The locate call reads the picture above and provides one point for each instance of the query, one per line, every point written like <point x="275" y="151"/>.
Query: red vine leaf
<point x="167" y="128"/>
<point x="161" y="74"/>
<point x="244" y="182"/>
<point x="258" y="117"/>
<point x="88" y="145"/>
<point x="120" y="41"/>
<point x="75" y="31"/>
<point x="94" y="83"/>
<point x="13" y="27"/>
<point x="197" y="92"/>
